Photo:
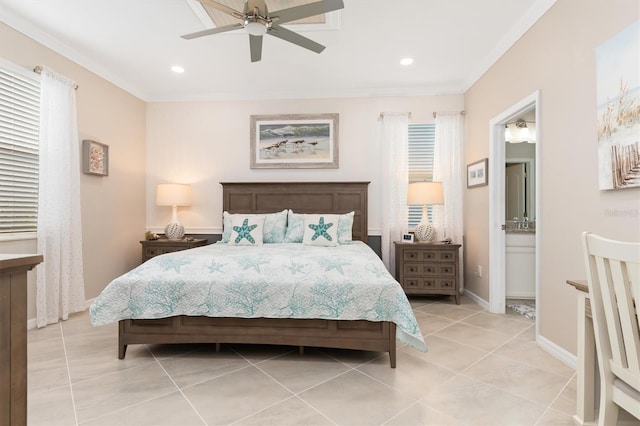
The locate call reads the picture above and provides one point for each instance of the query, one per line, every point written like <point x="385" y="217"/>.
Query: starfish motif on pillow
<point x="320" y="230"/>
<point x="244" y="231"/>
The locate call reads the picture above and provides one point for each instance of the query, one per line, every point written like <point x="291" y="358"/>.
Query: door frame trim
<point x="497" y="157"/>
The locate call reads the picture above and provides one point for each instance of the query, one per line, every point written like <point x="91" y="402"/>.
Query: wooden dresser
<point x="13" y="336"/>
<point x="428" y="268"/>
<point x="152" y="248"/>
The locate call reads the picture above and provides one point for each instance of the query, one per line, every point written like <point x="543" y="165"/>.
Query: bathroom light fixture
<point x="406" y="61"/>
<point x="174" y="195"/>
<point x="177" y="69"/>
<point x="520" y="131"/>
<point x="427" y="194"/>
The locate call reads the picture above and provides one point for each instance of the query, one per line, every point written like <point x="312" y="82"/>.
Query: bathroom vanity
<point x="520" y="261"/>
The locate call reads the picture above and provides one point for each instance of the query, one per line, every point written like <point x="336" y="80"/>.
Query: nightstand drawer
<point x="152" y="248"/>
<point x="426" y="283"/>
<point x="429" y="269"/>
<point x="152" y="251"/>
<point x="429" y="255"/>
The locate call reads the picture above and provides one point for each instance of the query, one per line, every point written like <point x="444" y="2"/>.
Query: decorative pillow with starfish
<point x="321" y="230"/>
<point x="246" y="230"/>
<point x="296" y="227"/>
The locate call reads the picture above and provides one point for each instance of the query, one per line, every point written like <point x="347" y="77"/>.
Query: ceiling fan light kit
<point x="260" y="22"/>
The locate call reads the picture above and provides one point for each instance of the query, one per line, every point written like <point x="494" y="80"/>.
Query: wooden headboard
<point x="301" y="197"/>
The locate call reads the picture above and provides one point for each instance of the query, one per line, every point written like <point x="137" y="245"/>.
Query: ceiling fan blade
<point x="306" y="10"/>
<point x="255" y="44"/>
<point x="211" y="31"/>
<point x="222" y="8"/>
<point x="295" y="38"/>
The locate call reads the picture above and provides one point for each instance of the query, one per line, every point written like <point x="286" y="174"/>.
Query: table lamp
<point x="174" y="195"/>
<point x="425" y="194"/>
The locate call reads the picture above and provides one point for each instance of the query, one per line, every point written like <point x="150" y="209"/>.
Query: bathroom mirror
<point x="520" y="191"/>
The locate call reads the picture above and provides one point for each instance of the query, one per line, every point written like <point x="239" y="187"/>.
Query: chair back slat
<point x="603" y="291"/>
<point x="614" y="280"/>
<point x="627" y="314"/>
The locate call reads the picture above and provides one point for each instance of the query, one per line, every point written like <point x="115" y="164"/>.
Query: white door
<point x="515" y="189"/>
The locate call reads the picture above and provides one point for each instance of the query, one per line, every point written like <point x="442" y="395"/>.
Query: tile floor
<point x="481" y="369"/>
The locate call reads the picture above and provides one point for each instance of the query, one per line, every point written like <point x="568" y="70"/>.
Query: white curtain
<point x="448" y="168"/>
<point x="59" y="279"/>
<point x="395" y="178"/>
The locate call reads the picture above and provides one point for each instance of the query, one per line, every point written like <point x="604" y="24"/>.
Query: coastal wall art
<point x="618" y="97"/>
<point x="294" y="141"/>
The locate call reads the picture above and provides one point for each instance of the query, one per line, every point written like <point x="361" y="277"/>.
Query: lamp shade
<point x="425" y="193"/>
<point x="173" y="194"/>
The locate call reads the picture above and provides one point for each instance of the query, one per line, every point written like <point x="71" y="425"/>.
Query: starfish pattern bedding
<point x="287" y="280"/>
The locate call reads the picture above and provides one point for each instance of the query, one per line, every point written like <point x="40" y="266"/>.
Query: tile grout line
<point x="296" y="394"/>
<point x="204" y="422"/>
<point x="550" y="407"/>
<point x="66" y="360"/>
<point x="493" y="352"/>
<point x="546" y="408"/>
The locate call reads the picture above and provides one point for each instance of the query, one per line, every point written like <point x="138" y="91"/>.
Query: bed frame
<point x="307" y="197"/>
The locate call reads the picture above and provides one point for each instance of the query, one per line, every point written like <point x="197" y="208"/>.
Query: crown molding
<point x="535" y="12"/>
<point x="30" y="30"/>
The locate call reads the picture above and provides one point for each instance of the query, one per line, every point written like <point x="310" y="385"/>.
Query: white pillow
<point x="321" y="230"/>
<point x="273" y="231"/>
<point x="295" y="228"/>
<point x="246" y="230"/>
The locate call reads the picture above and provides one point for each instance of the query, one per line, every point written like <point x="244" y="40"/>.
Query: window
<point x="421" y="145"/>
<point x="19" y="123"/>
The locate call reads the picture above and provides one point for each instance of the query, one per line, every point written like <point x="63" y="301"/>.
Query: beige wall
<point x="112" y="207"/>
<point x="557" y="57"/>
<point x="204" y="143"/>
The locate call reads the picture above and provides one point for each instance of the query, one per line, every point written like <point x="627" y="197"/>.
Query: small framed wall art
<point x="95" y="158"/>
<point x="477" y="173"/>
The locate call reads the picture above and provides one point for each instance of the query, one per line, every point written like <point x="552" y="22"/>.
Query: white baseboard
<point x="547" y="345"/>
<point x="480" y="301"/>
<point x="31" y="323"/>
<point x="558" y="352"/>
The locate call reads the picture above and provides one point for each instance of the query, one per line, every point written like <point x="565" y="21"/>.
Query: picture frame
<point x="407" y="238"/>
<point x="294" y="141"/>
<point x="477" y="173"/>
<point x="95" y="158"/>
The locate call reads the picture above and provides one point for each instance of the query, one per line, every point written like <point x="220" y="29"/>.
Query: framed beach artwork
<point x="618" y="97"/>
<point x="294" y="141"/>
<point x="95" y="158"/>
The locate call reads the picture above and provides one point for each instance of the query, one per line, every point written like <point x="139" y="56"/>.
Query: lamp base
<point x="174" y="231"/>
<point x="425" y="232"/>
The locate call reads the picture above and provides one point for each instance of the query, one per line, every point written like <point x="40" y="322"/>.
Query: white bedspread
<point x="348" y="282"/>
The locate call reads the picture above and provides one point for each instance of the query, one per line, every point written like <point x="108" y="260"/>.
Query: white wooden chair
<point x="613" y="274"/>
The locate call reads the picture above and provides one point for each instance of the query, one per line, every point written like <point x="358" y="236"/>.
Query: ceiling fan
<point x="257" y="20"/>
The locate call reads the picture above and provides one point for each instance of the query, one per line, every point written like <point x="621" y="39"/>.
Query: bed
<point x="267" y="326"/>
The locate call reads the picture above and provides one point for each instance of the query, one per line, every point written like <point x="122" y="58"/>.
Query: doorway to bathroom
<point x="514" y="249"/>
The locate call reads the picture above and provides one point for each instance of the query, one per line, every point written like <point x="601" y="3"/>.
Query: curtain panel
<point x="395" y="179"/>
<point x="449" y="168"/>
<point x="60" y="279"/>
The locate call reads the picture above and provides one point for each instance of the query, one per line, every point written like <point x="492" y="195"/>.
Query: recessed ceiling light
<point x="177" y="69"/>
<point x="406" y="61"/>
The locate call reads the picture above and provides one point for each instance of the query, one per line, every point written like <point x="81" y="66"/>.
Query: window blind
<point x="421" y="143"/>
<point x="19" y="129"/>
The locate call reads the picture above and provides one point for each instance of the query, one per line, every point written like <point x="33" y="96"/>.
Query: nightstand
<point x="428" y="268"/>
<point x="151" y="248"/>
